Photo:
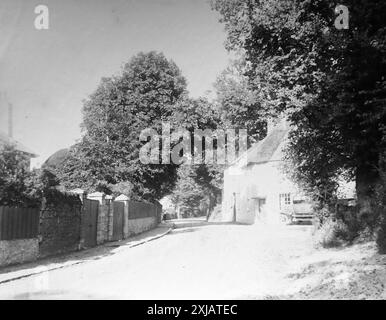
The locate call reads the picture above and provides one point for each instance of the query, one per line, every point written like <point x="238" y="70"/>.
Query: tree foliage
<point x="142" y="96"/>
<point x="20" y="187"/>
<point x="198" y="183"/>
<point x="239" y="106"/>
<point x="13" y="173"/>
<point x="187" y="194"/>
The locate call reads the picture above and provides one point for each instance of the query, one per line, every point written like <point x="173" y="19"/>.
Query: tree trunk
<point x="366" y="180"/>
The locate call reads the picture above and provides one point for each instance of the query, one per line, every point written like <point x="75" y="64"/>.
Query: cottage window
<point x="285" y="200"/>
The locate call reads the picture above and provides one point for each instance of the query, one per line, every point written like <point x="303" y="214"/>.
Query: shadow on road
<point x="10" y="273"/>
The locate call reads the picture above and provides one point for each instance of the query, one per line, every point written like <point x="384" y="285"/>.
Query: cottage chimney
<point x="10" y="120"/>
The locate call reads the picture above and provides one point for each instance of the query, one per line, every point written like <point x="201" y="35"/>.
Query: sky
<point x="46" y="74"/>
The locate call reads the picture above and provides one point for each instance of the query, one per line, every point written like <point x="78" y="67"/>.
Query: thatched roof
<point x="264" y="150"/>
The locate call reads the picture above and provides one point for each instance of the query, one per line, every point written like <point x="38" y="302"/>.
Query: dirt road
<point x="207" y="262"/>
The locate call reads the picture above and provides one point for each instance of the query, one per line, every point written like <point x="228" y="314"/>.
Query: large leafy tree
<point x="330" y="82"/>
<point x="142" y="96"/>
<point x="279" y="42"/>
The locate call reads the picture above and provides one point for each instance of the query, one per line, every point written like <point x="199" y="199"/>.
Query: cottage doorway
<point x="260" y="213"/>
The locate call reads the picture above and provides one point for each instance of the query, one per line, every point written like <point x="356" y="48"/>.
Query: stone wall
<point x="60" y="227"/>
<point x="142" y="216"/>
<point x="140" y="225"/>
<point x="18" y="251"/>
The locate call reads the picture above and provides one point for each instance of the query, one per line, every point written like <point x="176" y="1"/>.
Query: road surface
<point x="204" y="262"/>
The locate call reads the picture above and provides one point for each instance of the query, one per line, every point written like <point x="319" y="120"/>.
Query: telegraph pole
<point x="234" y="208"/>
<point x="10" y="120"/>
<point x="3" y="96"/>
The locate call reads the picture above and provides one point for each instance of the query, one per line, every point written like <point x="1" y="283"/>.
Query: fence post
<point x="80" y="192"/>
<point x="125" y="200"/>
<point x="41" y="213"/>
<point x="109" y="217"/>
<point x="97" y="196"/>
<point x="102" y="219"/>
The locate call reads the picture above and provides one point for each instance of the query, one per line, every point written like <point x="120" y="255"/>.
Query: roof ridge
<point x="260" y="151"/>
<point x="18" y="145"/>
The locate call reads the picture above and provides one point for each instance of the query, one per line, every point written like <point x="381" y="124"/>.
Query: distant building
<point x="255" y="187"/>
<point x="7" y="140"/>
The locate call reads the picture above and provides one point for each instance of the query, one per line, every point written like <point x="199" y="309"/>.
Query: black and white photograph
<point x="192" y="150"/>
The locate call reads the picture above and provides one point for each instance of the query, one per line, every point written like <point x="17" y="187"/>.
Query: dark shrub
<point x="380" y="206"/>
<point x="332" y="233"/>
<point x="381" y="237"/>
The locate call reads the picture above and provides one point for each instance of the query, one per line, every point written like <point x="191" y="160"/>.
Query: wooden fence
<point x="23" y="223"/>
<point x="18" y="223"/>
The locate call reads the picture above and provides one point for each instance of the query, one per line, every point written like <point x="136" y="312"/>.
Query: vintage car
<point x="300" y="211"/>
